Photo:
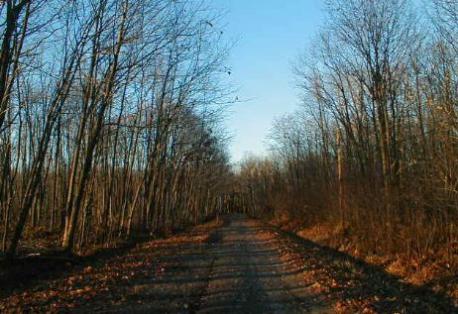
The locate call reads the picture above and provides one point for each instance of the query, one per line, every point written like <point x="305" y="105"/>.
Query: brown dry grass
<point x="430" y="270"/>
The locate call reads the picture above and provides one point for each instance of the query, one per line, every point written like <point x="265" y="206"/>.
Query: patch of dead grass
<point x="431" y="270"/>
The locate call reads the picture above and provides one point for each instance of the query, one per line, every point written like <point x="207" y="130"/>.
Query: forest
<point x="112" y="130"/>
<point x="109" y="120"/>
<point x="373" y="149"/>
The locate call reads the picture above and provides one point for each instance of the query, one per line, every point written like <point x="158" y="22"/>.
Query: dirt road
<point x="240" y="269"/>
<point x="238" y="266"/>
<point x="249" y="275"/>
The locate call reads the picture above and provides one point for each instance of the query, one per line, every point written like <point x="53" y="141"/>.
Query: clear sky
<point x="269" y="35"/>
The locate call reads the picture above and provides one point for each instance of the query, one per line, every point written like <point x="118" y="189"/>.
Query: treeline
<point x="374" y="147"/>
<point x="109" y="119"/>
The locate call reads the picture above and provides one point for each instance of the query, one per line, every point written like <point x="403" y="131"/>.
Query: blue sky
<point x="269" y="35"/>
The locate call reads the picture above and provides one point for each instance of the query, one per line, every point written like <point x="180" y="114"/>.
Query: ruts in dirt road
<point x="236" y="265"/>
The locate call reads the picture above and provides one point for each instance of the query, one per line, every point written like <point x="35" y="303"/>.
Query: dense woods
<point x="373" y="150"/>
<point x="118" y="194"/>
<point x="109" y="120"/>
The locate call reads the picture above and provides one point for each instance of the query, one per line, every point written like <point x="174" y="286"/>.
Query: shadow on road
<point x="357" y="282"/>
<point x="243" y="267"/>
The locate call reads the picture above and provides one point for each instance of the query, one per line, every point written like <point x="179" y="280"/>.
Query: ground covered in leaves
<point x="435" y="270"/>
<point x="234" y="265"/>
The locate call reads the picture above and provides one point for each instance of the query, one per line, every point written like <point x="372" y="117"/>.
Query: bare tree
<point x="373" y="148"/>
<point x="115" y="134"/>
